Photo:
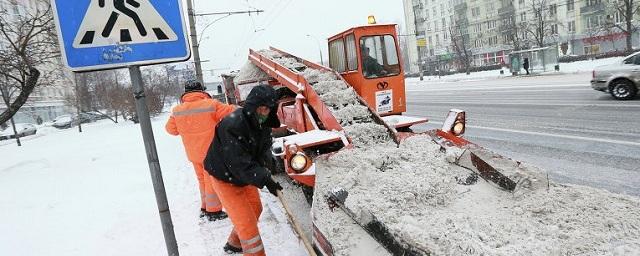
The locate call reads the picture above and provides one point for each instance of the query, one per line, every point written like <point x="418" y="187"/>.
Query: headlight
<point x="298" y="162"/>
<point x="458" y="128"/>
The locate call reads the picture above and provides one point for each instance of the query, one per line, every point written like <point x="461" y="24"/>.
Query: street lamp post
<point x="319" y="48"/>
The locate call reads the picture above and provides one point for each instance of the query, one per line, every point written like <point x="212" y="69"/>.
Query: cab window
<point x="352" y="54"/>
<point x="337" y="56"/>
<point x="379" y="57"/>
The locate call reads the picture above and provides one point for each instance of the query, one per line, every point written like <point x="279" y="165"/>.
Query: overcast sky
<point x="284" y="24"/>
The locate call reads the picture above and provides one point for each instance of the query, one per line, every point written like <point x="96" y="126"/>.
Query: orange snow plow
<point x="357" y="101"/>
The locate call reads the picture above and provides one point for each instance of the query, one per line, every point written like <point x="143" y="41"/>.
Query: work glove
<point x="272" y="186"/>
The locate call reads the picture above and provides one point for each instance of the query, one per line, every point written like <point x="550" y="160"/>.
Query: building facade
<point x="47" y="101"/>
<point x="492" y="29"/>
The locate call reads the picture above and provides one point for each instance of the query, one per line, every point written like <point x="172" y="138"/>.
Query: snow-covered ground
<point x="565" y="68"/>
<point x="65" y="193"/>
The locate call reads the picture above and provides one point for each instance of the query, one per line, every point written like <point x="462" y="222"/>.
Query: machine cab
<point x="368" y="58"/>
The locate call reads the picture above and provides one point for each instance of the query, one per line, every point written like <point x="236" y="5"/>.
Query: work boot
<point x="203" y="213"/>
<point x="230" y="249"/>
<point x="219" y="215"/>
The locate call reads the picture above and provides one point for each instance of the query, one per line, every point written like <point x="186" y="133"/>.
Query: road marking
<point x="514" y="91"/>
<point x="425" y="88"/>
<point x="484" y="103"/>
<point x="591" y="139"/>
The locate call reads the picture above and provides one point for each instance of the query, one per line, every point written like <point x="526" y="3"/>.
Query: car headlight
<point x="298" y="162"/>
<point x="458" y="128"/>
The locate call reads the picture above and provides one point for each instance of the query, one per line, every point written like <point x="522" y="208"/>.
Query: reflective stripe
<point x="212" y="196"/>
<point x="254" y="250"/>
<point x="194" y="111"/>
<point x="250" y="241"/>
<point x="213" y="204"/>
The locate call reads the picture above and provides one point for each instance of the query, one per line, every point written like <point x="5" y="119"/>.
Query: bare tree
<point x="460" y="44"/>
<point x="541" y="26"/>
<point x="28" y="44"/>
<point x="625" y="10"/>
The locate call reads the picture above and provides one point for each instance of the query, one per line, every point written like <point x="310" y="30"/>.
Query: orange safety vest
<point x="195" y="120"/>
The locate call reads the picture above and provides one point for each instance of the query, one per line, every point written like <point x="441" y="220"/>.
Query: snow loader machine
<point x="366" y="59"/>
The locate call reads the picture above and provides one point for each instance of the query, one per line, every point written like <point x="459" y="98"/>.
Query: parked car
<point x="21" y="129"/>
<point x="68" y="121"/>
<point x="621" y="79"/>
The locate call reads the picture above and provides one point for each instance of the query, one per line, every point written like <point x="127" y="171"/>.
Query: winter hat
<point x="193" y="85"/>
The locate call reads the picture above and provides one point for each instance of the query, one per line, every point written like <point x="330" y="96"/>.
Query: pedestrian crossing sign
<point x="107" y="34"/>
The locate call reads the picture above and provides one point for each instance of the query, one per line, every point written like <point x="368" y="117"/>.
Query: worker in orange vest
<point x="195" y="119"/>
<point x="238" y="162"/>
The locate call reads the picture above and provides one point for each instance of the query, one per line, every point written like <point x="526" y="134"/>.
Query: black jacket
<point x="241" y="148"/>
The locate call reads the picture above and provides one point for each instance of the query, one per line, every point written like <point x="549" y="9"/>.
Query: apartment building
<point x="493" y="28"/>
<point x="47" y="101"/>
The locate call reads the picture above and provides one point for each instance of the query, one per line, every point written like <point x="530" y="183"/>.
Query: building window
<point x="594" y="21"/>
<point x="570" y="5"/>
<point x="618" y="18"/>
<point x="478" y="43"/>
<point x="592" y="49"/>
<point x="593" y="2"/>
<point x="523" y="17"/>
<point x="553" y="9"/>
<point x="554" y="29"/>
<point x="437" y="40"/>
<point x="475" y="12"/>
<point x="571" y="26"/>
<point x="521" y="1"/>
<point x="477" y="28"/>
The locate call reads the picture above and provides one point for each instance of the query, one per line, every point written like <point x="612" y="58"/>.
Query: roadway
<point x="555" y="122"/>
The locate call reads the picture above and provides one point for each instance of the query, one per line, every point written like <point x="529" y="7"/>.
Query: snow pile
<point x="250" y="73"/>
<point x="341" y="99"/>
<point x="415" y="192"/>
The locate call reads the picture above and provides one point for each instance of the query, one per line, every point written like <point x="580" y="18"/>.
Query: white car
<point x="21" y="129"/>
<point x="621" y="79"/>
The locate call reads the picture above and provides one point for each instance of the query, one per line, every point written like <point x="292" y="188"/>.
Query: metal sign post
<point x="152" y="157"/>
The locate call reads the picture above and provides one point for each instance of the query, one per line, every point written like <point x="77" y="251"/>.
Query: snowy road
<point x="556" y="122"/>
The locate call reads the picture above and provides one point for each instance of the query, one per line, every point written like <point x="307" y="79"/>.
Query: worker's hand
<point x="273" y="186"/>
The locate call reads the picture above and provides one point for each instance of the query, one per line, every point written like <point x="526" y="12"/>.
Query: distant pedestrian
<point x="195" y="119"/>
<point x="39" y="120"/>
<point x="525" y="65"/>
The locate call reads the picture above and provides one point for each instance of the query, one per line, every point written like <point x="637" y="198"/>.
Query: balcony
<point x="461" y="7"/>
<point x="600" y="7"/>
<point x="506" y="9"/>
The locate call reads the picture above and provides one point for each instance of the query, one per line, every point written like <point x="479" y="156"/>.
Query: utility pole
<point x="78" y="100"/>
<point x="195" y="45"/>
<point x="194" y="40"/>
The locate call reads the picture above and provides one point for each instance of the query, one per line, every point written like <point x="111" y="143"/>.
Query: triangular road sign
<point x="111" y="22"/>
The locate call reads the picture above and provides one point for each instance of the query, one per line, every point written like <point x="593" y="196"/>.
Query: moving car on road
<point x="21" y="129"/>
<point x="621" y="79"/>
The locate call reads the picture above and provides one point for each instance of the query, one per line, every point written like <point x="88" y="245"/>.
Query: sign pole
<point x="154" y="163"/>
